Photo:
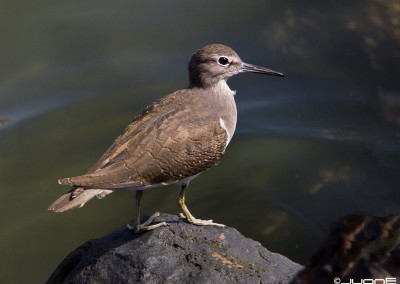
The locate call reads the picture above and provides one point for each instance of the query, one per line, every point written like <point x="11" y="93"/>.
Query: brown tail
<point x="76" y="197"/>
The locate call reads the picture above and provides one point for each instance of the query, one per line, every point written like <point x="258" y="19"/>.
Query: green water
<point x="321" y="143"/>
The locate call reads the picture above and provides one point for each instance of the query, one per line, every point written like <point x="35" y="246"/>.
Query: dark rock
<point x="358" y="247"/>
<point x="180" y="253"/>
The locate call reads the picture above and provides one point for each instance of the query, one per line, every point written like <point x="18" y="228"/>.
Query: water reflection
<point x="314" y="34"/>
<point x="389" y="104"/>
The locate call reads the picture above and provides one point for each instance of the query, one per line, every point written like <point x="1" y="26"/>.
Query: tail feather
<point x="76" y="197"/>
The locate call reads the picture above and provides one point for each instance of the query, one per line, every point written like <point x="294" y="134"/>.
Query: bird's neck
<point x="222" y="88"/>
<point x="218" y="89"/>
<point x="220" y="102"/>
<point x="222" y="98"/>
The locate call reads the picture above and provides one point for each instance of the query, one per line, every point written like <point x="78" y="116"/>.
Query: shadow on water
<point x="321" y="143"/>
<point x="4" y="121"/>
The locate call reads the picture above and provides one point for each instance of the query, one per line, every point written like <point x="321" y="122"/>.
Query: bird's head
<point x="217" y="62"/>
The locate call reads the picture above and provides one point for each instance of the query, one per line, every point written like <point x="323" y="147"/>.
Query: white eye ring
<point x="223" y="61"/>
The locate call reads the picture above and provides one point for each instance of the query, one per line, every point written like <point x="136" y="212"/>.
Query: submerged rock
<point x="179" y="253"/>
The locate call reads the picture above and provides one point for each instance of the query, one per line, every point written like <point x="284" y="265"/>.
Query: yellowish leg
<point x="189" y="217"/>
<point x="145" y="226"/>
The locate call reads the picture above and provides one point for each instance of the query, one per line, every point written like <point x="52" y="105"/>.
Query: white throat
<point x="223" y="88"/>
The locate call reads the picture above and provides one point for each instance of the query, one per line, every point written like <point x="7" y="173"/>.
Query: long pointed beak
<point x="257" y="69"/>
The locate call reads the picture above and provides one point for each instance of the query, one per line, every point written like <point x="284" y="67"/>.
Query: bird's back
<point x="172" y="139"/>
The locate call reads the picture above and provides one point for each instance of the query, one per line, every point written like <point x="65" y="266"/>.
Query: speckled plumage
<point x="164" y="144"/>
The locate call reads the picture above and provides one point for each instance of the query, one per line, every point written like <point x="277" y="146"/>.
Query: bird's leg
<point x="189" y="217"/>
<point x="145" y="226"/>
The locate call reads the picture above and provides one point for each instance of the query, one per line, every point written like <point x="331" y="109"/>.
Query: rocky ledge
<point x="179" y="253"/>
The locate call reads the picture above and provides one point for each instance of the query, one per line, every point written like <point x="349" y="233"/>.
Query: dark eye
<point x="223" y="60"/>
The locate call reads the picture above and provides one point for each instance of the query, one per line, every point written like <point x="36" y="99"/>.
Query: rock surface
<point x="179" y="253"/>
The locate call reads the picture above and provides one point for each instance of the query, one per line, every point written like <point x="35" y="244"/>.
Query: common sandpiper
<point x="172" y="141"/>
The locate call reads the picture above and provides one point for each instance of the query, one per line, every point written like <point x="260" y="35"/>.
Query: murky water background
<point x="321" y="143"/>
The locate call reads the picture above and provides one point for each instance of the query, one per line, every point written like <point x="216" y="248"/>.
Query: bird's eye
<point x="223" y="60"/>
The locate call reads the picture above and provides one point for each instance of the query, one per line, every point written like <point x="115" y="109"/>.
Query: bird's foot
<point x="200" y="222"/>
<point x="145" y="226"/>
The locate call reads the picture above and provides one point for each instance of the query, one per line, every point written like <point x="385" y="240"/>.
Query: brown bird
<point x="172" y="141"/>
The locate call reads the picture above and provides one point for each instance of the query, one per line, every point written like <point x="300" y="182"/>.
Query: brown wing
<point x="166" y="149"/>
<point x="142" y="121"/>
